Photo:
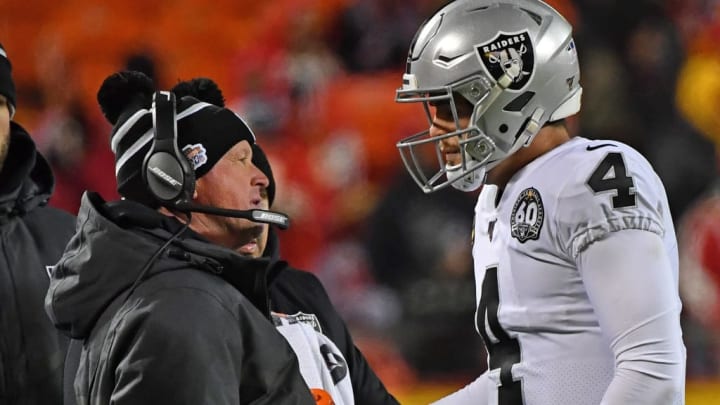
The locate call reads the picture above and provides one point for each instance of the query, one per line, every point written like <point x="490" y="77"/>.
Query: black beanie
<point x="7" y="86"/>
<point x="205" y="131"/>
<point x="205" y="89"/>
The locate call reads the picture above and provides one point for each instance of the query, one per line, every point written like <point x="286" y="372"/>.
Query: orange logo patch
<point x="322" y="397"/>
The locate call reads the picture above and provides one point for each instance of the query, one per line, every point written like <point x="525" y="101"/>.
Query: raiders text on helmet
<point x="513" y="60"/>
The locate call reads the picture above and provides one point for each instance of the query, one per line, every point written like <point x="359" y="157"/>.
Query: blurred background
<point x="316" y="80"/>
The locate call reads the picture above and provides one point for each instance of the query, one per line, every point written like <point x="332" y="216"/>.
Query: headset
<point x="170" y="178"/>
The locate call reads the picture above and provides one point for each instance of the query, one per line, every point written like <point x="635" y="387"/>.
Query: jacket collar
<point x="248" y="275"/>
<point x="26" y="179"/>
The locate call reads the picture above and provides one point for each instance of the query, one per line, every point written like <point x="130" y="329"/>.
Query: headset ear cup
<point x="167" y="173"/>
<point x="166" y="178"/>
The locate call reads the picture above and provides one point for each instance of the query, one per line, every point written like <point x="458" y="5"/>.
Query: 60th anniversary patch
<point x="527" y="216"/>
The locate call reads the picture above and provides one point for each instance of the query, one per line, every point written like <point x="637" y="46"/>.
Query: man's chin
<point x="249" y="249"/>
<point x="248" y="241"/>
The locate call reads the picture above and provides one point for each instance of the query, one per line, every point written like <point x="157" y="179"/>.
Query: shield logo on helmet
<point x="510" y="53"/>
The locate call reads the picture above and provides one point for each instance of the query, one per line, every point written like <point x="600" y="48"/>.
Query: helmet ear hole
<point x="519" y="102"/>
<point x="503" y="128"/>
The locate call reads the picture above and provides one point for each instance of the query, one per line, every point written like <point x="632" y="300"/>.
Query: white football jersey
<point x="543" y="337"/>
<point x="322" y="364"/>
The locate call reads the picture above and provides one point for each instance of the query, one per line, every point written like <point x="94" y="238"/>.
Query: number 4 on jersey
<point x="503" y="350"/>
<point x="611" y="175"/>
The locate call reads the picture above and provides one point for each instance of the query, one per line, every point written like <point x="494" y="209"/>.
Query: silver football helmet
<point x="513" y="60"/>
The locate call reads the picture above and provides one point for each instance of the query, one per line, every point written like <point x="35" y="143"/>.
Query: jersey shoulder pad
<point x="609" y="187"/>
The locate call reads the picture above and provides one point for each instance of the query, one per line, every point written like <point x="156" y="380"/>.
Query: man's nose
<point x="260" y="179"/>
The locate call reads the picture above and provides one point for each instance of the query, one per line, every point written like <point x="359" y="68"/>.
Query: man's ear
<point x="195" y="194"/>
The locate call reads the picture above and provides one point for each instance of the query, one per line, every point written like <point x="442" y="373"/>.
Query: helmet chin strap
<point x="466" y="182"/>
<point x="532" y="127"/>
<point x="473" y="180"/>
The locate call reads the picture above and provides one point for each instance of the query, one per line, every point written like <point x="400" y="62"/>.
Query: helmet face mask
<point x="470" y="137"/>
<point x="514" y="61"/>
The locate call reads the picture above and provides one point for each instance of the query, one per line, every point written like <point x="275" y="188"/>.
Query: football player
<point x="575" y="254"/>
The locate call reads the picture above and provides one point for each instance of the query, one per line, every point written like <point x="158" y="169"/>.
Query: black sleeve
<point x="300" y="291"/>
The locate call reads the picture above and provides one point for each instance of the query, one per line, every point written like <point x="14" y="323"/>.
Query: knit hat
<point x="205" y="89"/>
<point x="7" y="86"/>
<point x="205" y="131"/>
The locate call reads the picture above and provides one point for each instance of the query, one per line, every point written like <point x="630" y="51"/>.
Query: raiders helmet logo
<point x="509" y="53"/>
<point x="527" y="216"/>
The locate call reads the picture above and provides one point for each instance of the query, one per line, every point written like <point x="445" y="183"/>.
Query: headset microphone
<point x="264" y="216"/>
